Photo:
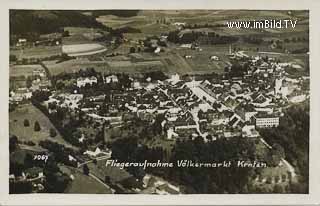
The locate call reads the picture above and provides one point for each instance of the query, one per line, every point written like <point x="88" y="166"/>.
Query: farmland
<point x="167" y="86"/>
<point x="158" y="22"/>
<point x="23" y="70"/>
<point x="83" y="184"/>
<point x="32" y="114"/>
<point x="82" y="49"/>
<point x="36" y="52"/>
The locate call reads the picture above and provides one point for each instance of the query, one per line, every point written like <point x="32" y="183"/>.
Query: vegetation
<point x="26" y="123"/>
<point x="191" y="37"/>
<point x="120" y="13"/>
<point x="56" y="181"/>
<point x="197" y="180"/>
<point x="53" y="132"/>
<point x="293" y="135"/>
<point x="37" y="127"/>
<point x="33" y="23"/>
<point x="86" y="169"/>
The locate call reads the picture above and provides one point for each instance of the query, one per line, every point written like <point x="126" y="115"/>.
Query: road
<point x="283" y="161"/>
<point x="98" y="159"/>
<point x="101" y="182"/>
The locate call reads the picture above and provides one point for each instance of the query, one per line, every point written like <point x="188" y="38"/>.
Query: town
<point x="91" y="116"/>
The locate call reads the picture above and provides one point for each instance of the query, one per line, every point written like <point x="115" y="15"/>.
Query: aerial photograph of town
<point x="160" y="102"/>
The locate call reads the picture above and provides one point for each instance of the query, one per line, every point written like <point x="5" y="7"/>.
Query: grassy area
<point x="36" y="52"/>
<point x="100" y="170"/>
<point x="83" y="184"/>
<point x="31" y="113"/>
<point x="23" y="70"/>
<point x="150" y="22"/>
<point x="75" y="65"/>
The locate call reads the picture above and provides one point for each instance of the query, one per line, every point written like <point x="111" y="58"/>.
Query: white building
<point x="82" y="81"/>
<point x="111" y="78"/>
<point x="267" y="121"/>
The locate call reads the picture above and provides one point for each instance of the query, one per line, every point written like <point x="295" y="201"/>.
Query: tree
<point x="269" y="180"/>
<point x="37" y="127"/>
<point x="53" y="132"/>
<point x="13" y="143"/>
<point x="65" y="33"/>
<point x="107" y="179"/>
<point x="12" y="58"/>
<point x="26" y="123"/>
<point x="29" y="82"/>
<point x="132" y="50"/>
<point x="86" y="169"/>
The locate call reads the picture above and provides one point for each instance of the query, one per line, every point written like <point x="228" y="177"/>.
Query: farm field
<point x="79" y="30"/>
<point x="36" y="52"/>
<point x="23" y="70"/>
<point x="83" y="184"/>
<point x="74" y="65"/>
<point x="31" y="113"/>
<point x="150" y="22"/>
<point x="107" y="66"/>
<point x="82" y="49"/>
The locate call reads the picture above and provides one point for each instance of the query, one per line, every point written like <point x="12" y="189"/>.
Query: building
<point x="82" y="81"/>
<point x="111" y="78"/>
<point x="20" y="95"/>
<point x="266" y="120"/>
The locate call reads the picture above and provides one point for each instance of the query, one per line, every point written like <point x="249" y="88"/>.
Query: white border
<point x="58" y="199"/>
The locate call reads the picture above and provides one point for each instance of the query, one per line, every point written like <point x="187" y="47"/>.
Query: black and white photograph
<point x="147" y="102"/>
<point x="159" y="101"/>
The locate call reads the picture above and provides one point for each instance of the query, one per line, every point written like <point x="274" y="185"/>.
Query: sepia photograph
<point x="159" y="102"/>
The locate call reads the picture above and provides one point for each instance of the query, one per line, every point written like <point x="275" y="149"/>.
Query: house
<point x="166" y="189"/>
<point x="214" y="58"/>
<point x="249" y="131"/>
<point x="98" y="151"/>
<point x="83" y="81"/>
<point x="171" y="134"/>
<point x="260" y="99"/>
<point x="21" y="42"/>
<point x="157" y="50"/>
<point x="235" y="120"/>
<point x="246" y="111"/>
<point x="20" y="95"/>
<point x="179" y="23"/>
<point x="220" y="118"/>
<point x="263" y="120"/>
<point x="111" y="78"/>
<point x="185" y="122"/>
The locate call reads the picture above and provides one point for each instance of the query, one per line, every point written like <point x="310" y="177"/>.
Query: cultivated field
<point x="31" y="113"/>
<point x="23" y="70"/>
<point x="82" y="49"/>
<point x="83" y="184"/>
<point x="36" y="52"/>
<point x="156" y="22"/>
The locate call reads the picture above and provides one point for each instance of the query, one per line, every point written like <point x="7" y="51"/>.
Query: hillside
<point x="43" y="22"/>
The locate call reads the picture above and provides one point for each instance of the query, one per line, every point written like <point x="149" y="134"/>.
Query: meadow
<point x="32" y="114"/>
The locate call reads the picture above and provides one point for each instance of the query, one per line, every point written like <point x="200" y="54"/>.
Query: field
<point x="31" y="113"/>
<point x="83" y="184"/>
<point x="107" y="66"/>
<point x="23" y="70"/>
<point x="156" y="22"/>
<point x="36" y="52"/>
<point x="79" y="30"/>
<point x="82" y="49"/>
<point x="74" y="65"/>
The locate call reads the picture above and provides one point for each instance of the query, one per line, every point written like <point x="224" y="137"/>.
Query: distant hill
<point x="115" y="12"/>
<point x="44" y="21"/>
